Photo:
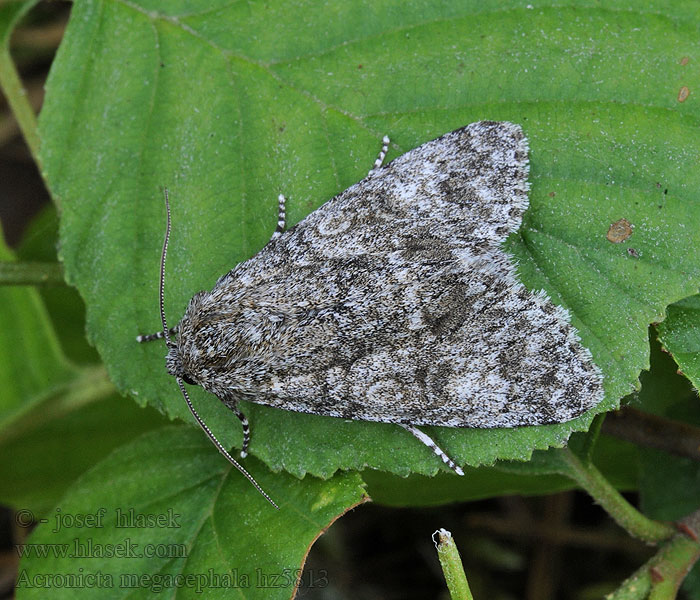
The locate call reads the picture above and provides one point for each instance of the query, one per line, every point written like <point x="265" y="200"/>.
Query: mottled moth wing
<point x="394" y="302"/>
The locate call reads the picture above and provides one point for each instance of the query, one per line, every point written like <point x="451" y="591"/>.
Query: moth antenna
<point x="166" y="335"/>
<point x="218" y="444"/>
<point x="166" y="331"/>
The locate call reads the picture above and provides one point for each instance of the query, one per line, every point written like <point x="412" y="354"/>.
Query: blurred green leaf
<point x="63" y="303"/>
<point x="57" y="419"/>
<point x="11" y="12"/>
<point x="680" y="335"/>
<point x="215" y="525"/>
<point x="32" y="364"/>
<point x="669" y="484"/>
<point x="230" y="104"/>
<point x="617" y="460"/>
<point x="41" y="457"/>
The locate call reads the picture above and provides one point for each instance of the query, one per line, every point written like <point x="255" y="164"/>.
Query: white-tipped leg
<point x="246" y="432"/>
<point x="382" y="154"/>
<point x="155" y="336"/>
<point x="428" y="441"/>
<point x="281" y="217"/>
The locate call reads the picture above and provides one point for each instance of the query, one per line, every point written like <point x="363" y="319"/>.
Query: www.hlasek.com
<point x="88" y="548"/>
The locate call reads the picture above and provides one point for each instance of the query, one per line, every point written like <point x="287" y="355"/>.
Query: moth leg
<point x="427" y="440"/>
<point x="382" y="154"/>
<point x="246" y="429"/>
<point x="281" y="217"/>
<point x="155" y="336"/>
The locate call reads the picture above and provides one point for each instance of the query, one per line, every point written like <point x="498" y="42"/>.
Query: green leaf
<point x="617" y="461"/>
<point x="214" y="525"/>
<point x="32" y="364"/>
<point x="669" y="485"/>
<point x="10" y="14"/>
<point x="43" y="453"/>
<point x="680" y="335"/>
<point x="63" y="303"/>
<point x="57" y="420"/>
<point x="227" y="105"/>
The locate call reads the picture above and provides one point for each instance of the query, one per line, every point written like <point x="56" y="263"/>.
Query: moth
<point x="393" y="302"/>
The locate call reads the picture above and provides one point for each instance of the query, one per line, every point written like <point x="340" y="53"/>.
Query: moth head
<point x="184" y="359"/>
<point x="174" y="364"/>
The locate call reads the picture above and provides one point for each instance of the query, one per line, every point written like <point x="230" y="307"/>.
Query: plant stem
<point x="662" y="575"/>
<point x="624" y="514"/>
<point x="31" y="273"/>
<point x="14" y="90"/>
<point x="451" y="565"/>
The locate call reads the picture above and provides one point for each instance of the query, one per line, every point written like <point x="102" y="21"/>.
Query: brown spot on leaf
<point x="619" y="231"/>
<point x="552" y="194"/>
<point x="684" y="61"/>
<point x="683" y="94"/>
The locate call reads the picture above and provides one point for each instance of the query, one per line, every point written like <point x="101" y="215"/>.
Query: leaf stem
<point x="451" y="565"/>
<point x="14" y="90"/>
<point x="624" y="514"/>
<point x="31" y="273"/>
<point x="663" y="573"/>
